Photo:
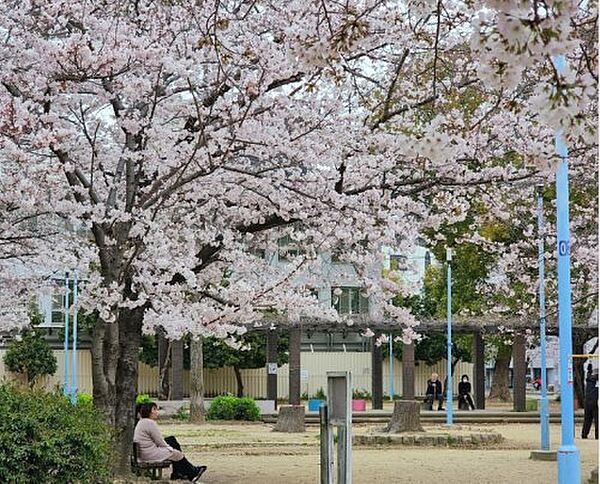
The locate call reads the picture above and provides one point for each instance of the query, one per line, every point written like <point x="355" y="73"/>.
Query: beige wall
<point x="84" y="371"/>
<point x="314" y="366"/>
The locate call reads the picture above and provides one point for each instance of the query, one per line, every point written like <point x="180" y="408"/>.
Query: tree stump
<point x="290" y="419"/>
<point x="405" y="418"/>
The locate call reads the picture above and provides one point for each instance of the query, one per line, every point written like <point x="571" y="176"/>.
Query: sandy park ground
<point x="253" y="453"/>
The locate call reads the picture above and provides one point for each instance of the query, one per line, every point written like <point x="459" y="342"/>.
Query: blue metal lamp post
<point x="74" y="366"/>
<point x="544" y="414"/>
<point x="449" y="355"/>
<point x="66" y="342"/>
<point x="569" y="468"/>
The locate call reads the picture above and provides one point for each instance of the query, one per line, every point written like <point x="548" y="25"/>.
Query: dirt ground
<point x="253" y="453"/>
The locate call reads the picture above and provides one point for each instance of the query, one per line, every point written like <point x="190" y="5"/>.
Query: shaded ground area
<point x="252" y="453"/>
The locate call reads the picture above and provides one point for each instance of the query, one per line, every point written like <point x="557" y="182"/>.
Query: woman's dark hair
<point x="465" y="376"/>
<point x="146" y="409"/>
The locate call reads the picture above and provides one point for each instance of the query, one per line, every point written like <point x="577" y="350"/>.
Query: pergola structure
<point x="272" y="328"/>
<point x="477" y="326"/>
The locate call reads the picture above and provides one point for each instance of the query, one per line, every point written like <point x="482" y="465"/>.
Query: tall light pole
<point x="569" y="468"/>
<point x="544" y="414"/>
<point x="66" y="342"/>
<point x="74" y="368"/>
<point x="449" y="342"/>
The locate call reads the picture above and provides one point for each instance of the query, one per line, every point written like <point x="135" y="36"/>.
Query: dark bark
<point x="177" y="369"/>
<point x="519" y="373"/>
<point x="115" y="351"/>
<point x="499" y="388"/>
<point x="376" y="376"/>
<point x="478" y="371"/>
<point x="239" y="381"/>
<point x="164" y="358"/>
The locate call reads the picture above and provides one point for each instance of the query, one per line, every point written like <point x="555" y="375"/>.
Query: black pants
<point x="590" y="413"/>
<point x="465" y="400"/>
<point x="183" y="467"/>
<point x="430" y="399"/>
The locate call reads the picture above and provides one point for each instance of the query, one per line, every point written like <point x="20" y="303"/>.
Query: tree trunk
<point x="290" y="419"/>
<point x="115" y="349"/>
<point x="405" y="418"/>
<point x="520" y="373"/>
<point x="376" y="375"/>
<point x="164" y="361"/>
<point x="238" y="379"/>
<point x="478" y="370"/>
<point x="408" y="371"/>
<point x="196" y="381"/>
<point x="177" y="370"/>
<point x="294" y="365"/>
<point x="499" y="388"/>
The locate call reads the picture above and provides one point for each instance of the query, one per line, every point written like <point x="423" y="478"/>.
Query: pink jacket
<point x="151" y="445"/>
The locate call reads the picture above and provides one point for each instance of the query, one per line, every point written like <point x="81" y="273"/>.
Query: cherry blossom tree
<point x="173" y="139"/>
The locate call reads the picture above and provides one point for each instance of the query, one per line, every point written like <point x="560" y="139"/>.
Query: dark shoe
<point x="201" y="470"/>
<point x="176" y="477"/>
<point x="440" y="409"/>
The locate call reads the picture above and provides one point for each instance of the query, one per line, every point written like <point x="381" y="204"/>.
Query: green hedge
<point x="43" y="438"/>
<point x="228" y="407"/>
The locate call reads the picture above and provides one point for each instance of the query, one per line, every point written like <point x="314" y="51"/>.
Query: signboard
<point x="271" y="368"/>
<point x="304" y="374"/>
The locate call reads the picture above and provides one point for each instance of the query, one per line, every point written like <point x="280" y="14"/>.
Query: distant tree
<point x="30" y="355"/>
<point x="251" y="354"/>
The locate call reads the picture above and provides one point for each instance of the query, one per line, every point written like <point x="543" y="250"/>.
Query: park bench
<point x="151" y="469"/>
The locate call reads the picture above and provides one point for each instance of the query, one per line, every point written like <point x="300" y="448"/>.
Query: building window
<point x="288" y="248"/>
<point x="349" y="300"/>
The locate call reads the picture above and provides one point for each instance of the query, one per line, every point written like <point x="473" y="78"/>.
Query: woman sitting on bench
<point x="153" y="448"/>
<point x="464" y="394"/>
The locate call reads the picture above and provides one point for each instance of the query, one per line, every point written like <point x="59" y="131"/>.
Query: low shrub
<point x="142" y="398"/>
<point x="43" y="438"/>
<point x="228" y="407"/>
<point x="246" y="409"/>
<point x="222" y="408"/>
<point x="85" y="399"/>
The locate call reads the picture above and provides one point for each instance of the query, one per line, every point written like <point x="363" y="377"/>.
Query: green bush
<point x="246" y="409"/>
<point x="30" y="355"/>
<point x="43" y="438"/>
<point x="320" y="395"/>
<point x="85" y="399"/>
<point x="222" y="408"/>
<point x="228" y="407"/>
<point x="142" y="398"/>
